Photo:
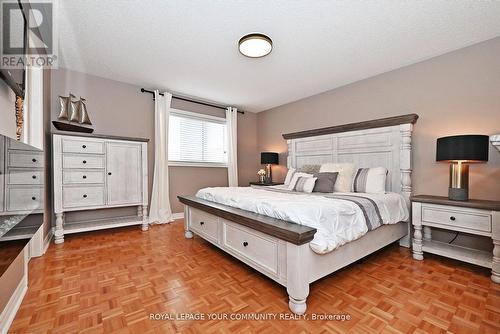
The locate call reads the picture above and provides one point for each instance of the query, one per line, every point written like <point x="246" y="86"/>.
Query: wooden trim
<point x="94" y="135"/>
<point x="376" y="123"/>
<point x="291" y="232"/>
<point x="472" y="203"/>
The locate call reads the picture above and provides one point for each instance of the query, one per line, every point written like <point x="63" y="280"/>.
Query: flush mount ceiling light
<point x="255" y="45"/>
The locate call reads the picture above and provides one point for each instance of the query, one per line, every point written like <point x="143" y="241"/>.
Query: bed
<point x="283" y="250"/>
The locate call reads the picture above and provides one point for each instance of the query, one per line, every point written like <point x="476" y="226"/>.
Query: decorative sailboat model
<point x="74" y="112"/>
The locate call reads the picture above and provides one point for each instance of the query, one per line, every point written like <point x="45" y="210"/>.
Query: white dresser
<point x="21" y="178"/>
<point x="98" y="172"/>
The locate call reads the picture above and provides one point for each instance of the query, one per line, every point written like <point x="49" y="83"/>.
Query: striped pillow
<point x="305" y="184"/>
<point x="295" y="177"/>
<point x="370" y="180"/>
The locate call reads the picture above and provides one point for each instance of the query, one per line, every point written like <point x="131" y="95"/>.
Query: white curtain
<point x="232" y="154"/>
<point x="160" y="211"/>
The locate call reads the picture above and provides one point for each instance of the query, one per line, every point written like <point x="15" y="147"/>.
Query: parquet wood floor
<point x="110" y="282"/>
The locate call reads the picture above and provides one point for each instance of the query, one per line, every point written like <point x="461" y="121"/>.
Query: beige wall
<point x="117" y="108"/>
<point x="457" y="93"/>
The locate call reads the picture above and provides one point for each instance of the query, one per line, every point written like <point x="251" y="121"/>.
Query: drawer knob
<point x="85" y="176"/>
<point x="202" y="223"/>
<point x="84" y="161"/>
<point x="84" y="146"/>
<point x="452" y="218"/>
<point x="85" y="196"/>
<point x="245" y="243"/>
<point x="109" y="173"/>
<point x="33" y="198"/>
<point x="33" y="177"/>
<point x="34" y="160"/>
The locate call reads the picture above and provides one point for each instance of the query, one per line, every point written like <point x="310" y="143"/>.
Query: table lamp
<point x="460" y="151"/>
<point x="268" y="159"/>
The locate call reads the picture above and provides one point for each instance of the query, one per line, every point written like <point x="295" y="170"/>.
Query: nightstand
<point x="265" y="184"/>
<point x="476" y="217"/>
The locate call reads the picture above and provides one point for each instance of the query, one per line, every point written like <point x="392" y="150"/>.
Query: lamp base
<point x="458" y="194"/>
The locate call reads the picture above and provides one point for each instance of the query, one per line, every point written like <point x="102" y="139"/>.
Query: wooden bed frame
<point x="280" y="249"/>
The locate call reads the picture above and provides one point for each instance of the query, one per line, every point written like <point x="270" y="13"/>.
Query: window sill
<point x="195" y="164"/>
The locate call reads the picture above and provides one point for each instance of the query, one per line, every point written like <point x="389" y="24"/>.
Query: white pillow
<point x="344" y="179"/>
<point x="289" y="176"/>
<point x="305" y="184"/>
<point x="295" y="177"/>
<point x="370" y="180"/>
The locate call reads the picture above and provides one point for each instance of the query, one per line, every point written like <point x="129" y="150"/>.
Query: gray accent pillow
<point x="325" y="182"/>
<point x="309" y="169"/>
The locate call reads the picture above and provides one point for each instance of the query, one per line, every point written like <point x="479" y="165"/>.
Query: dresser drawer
<point x="82" y="146"/>
<point x="24" y="198"/>
<point x="23" y="176"/>
<point x="83" y="161"/>
<point x="82" y="176"/>
<point x="77" y="197"/>
<point x="472" y="220"/>
<point x="25" y="159"/>
<point x="17" y="145"/>
<point x="204" y="224"/>
<point x="260" y="249"/>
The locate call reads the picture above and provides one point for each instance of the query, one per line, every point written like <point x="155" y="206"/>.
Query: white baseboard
<point x="178" y="215"/>
<point x="36" y="243"/>
<point x="10" y="310"/>
<point x="48" y="240"/>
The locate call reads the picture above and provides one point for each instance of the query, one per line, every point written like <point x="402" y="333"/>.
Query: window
<point x="196" y="140"/>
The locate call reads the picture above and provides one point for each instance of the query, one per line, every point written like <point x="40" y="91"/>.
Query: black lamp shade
<point x="269" y="158"/>
<point x="468" y="148"/>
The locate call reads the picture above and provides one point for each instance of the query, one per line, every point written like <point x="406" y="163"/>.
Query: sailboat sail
<point x="64" y="103"/>
<point x="84" y="116"/>
<point x="74" y="115"/>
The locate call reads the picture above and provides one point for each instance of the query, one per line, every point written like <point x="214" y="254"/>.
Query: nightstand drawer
<point x="454" y="218"/>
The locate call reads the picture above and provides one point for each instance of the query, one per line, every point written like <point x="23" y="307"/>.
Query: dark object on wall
<point x="15" y="77"/>
<point x="268" y="159"/>
<point x="460" y="151"/>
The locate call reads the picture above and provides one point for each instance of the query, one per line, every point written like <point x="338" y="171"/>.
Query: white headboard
<point x="385" y="142"/>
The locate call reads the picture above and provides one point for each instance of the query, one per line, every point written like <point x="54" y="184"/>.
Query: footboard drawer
<point x="204" y="224"/>
<point x="261" y="250"/>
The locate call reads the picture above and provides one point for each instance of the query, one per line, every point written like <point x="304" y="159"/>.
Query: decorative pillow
<point x="345" y="176"/>
<point x="305" y="184"/>
<point x="325" y="182"/>
<point x="370" y="180"/>
<point x="295" y="177"/>
<point x="289" y="175"/>
<point x="310" y="169"/>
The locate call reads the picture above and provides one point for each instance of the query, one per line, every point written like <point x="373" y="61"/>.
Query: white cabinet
<point x="21" y="178"/>
<point x="98" y="172"/>
<point x="474" y="217"/>
<point x="123" y="162"/>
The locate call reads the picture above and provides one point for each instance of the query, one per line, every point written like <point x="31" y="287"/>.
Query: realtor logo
<point x="28" y="34"/>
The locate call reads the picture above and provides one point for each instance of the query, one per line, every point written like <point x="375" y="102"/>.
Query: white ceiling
<point x="190" y="47"/>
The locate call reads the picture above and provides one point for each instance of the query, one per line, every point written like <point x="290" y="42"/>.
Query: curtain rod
<point x="189" y="100"/>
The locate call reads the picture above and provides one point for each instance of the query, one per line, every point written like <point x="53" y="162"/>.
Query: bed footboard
<point x="284" y="257"/>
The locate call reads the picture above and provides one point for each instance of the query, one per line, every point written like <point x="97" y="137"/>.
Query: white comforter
<point x="337" y="221"/>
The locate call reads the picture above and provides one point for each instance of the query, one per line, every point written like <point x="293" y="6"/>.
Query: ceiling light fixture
<point x="255" y="45"/>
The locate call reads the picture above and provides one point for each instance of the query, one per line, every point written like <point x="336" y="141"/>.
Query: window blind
<point x="196" y="139"/>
